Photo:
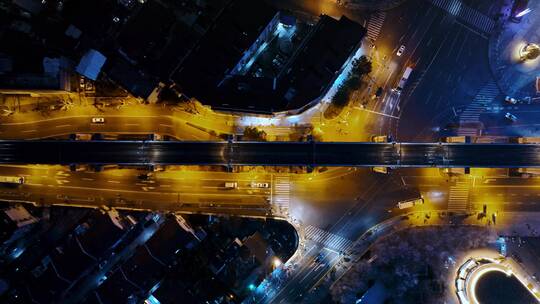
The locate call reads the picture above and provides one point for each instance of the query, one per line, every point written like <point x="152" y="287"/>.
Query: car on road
<point x="510" y="117"/>
<point x="510" y="100"/>
<point x="99" y="120"/>
<point x="400" y="50"/>
<point x="231" y="185"/>
<point x="260" y="185"/>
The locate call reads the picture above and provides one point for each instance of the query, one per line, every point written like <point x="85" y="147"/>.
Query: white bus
<point x="403" y="80"/>
<point x="12" y="179"/>
<point x="410" y="203"/>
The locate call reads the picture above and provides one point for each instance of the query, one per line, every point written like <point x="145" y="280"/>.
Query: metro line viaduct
<point x="443" y="155"/>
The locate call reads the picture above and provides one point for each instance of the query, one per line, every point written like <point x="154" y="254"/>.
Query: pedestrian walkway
<point x="283" y="131"/>
<point x="375" y="25"/>
<point x="281" y="194"/>
<point x="469" y="16"/>
<point x="458" y="199"/>
<point x="472" y="112"/>
<point x="468" y="132"/>
<point x="327" y="239"/>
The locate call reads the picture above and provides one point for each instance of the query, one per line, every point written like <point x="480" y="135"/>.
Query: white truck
<point x="403" y="80"/>
<point x="12" y="179"/>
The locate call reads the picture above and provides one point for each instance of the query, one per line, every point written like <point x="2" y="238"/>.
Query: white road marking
<point x="379" y="113"/>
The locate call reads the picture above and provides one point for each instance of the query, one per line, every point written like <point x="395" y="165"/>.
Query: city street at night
<point x="276" y="151"/>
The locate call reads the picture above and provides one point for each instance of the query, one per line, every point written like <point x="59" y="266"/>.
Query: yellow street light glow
<point x="277" y="262"/>
<point x="530" y="51"/>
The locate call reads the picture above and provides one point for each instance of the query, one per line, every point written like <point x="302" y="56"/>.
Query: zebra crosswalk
<point x="327" y="239"/>
<point x="281" y="193"/>
<point x="466" y="14"/>
<point x="472" y="112"/>
<point x="458" y="199"/>
<point x="374" y="25"/>
<point x="468" y="131"/>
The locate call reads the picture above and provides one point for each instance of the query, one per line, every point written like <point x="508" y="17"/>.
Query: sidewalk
<point x="513" y="77"/>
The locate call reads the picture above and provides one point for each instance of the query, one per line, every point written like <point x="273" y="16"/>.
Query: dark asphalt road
<point x="450" y="66"/>
<point x="270" y="154"/>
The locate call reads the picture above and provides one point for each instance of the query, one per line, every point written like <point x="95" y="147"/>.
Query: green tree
<point x="252" y="133"/>
<point x="361" y="66"/>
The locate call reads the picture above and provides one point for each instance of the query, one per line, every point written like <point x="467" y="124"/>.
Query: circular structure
<point x="530" y="51"/>
<point x="484" y="268"/>
<point x="498" y="287"/>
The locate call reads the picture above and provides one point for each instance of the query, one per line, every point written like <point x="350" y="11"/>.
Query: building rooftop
<point x="131" y="78"/>
<point x="99" y="235"/>
<point x="168" y="242"/>
<point x="316" y="64"/>
<point x="116" y="289"/>
<point x="44" y="286"/>
<point x="91" y="64"/>
<point x="143" y="35"/>
<point x="70" y="260"/>
<point x="223" y="45"/>
<point x="303" y="74"/>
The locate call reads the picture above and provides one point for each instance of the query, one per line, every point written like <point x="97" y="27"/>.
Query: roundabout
<point x="514" y="54"/>
<point x="477" y="276"/>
